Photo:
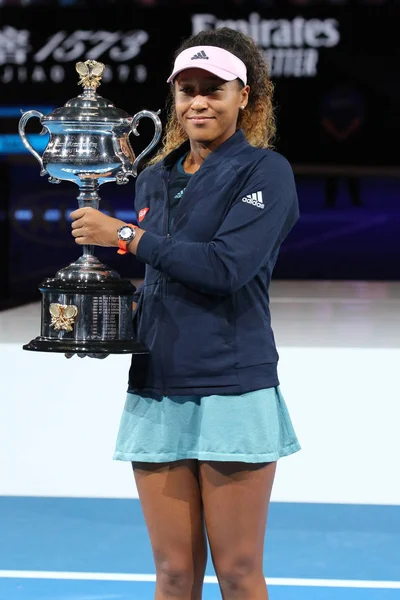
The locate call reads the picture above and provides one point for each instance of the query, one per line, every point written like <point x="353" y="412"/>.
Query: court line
<point x="330" y="300"/>
<point x="281" y="581"/>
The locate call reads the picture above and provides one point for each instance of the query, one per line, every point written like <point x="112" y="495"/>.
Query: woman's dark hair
<point x="257" y="120"/>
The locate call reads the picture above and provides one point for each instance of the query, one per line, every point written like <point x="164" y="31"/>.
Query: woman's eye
<point x="190" y="91"/>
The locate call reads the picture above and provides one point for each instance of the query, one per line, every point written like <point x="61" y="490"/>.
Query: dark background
<point x="348" y="188"/>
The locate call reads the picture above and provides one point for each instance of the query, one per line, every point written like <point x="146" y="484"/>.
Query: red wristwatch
<point x="126" y="234"/>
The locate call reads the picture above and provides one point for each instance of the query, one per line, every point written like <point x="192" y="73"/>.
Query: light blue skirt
<point x="253" y="427"/>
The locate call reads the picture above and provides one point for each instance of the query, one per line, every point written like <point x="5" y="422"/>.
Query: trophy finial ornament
<point x="90" y="73"/>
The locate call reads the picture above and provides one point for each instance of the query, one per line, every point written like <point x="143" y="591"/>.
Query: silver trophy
<point x="87" y="307"/>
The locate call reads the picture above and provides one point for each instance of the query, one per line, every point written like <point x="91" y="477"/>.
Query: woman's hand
<point x="92" y="227"/>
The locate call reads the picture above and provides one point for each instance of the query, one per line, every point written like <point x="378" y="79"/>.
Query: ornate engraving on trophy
<point x="62" y="316"/>
<point x="110" y="307"/>
<point x="106" y="316"/>
<point x="95" y="317"/>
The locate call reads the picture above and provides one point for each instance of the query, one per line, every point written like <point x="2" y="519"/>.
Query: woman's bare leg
<point x="171" y="503"/>
<point x="236" y="499"/>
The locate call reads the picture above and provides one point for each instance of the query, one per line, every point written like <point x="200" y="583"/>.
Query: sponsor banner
<point x="334" y="65"/>
<point x="290" y="45"/>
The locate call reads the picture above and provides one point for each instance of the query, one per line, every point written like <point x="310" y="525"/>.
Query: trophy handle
<point x="157" y="133"/>
<point x="21" y="129"/>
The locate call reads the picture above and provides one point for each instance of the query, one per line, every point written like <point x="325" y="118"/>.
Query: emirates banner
<point x="334" y="70"/>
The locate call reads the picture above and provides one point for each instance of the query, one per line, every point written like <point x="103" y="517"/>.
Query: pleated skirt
<point x="254" y="427"/>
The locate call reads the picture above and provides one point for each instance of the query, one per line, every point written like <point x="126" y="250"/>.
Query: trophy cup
<point x="87" y="307"/>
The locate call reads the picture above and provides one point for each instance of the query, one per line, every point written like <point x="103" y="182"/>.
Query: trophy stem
<point x="88" y="197"/>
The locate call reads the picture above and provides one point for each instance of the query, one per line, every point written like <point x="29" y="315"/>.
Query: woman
<point x="205" y="423"/>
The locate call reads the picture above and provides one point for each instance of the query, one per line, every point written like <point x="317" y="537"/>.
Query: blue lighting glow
<point x="52" y="214"/>
<point x="55" y="215"/>
<point x="16" y="111"/>
<point x="68" y="212"/>
<point x="11" y="143"/>
<point x="23" y="215"/>
<point x="125" y="215"/>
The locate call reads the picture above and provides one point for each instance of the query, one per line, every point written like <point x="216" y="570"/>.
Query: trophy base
<point x="41" y="344"/>
<point x="87" y="318"/>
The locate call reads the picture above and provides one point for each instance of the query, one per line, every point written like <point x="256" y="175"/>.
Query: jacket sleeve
<point x="245" y="241"/>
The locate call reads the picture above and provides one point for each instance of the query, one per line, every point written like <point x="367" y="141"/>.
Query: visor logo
<point x="201" y="54"/>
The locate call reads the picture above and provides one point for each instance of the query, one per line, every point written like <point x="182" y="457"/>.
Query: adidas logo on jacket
<point x="256" y="199"/>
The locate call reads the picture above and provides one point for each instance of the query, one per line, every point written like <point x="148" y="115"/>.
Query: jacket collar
<point x="173" y="156"/>
<point x="234" y="142"/>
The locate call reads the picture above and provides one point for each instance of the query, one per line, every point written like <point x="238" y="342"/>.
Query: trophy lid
<point x="89" y="106"/>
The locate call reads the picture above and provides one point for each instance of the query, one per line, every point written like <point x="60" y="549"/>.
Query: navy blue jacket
<point x="203" y="310"/>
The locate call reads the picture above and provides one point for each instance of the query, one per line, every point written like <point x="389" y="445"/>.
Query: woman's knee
<point x="179" y="576"/>
<point x="175" y="580"/>
<point x="238" y="574"/>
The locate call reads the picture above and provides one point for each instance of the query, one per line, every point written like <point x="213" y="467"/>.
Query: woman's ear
<point x="244" y="96"/>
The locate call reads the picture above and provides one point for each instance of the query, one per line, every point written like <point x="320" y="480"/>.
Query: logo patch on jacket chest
<point x="142" y="213"/>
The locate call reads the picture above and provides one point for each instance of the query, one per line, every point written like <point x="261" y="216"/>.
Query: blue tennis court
<point x="89" y="549"/>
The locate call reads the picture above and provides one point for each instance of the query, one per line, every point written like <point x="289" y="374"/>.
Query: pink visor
<point x="220" y="62"/>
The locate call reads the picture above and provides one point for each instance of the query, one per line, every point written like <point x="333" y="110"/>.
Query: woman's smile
<point x="199" y="119"/>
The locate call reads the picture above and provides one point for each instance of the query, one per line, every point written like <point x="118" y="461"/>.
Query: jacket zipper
<point x="164" y="280"/>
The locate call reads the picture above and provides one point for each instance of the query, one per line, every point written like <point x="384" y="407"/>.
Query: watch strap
<point x="122" y="245"/>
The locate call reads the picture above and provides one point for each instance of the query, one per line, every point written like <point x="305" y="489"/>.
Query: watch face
<point x="125" y="233"/>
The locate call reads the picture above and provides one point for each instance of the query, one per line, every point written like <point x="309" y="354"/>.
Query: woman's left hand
<point x="92" y="227"/>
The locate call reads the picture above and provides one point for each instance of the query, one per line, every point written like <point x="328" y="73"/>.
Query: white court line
<point x="339" y="583"/>
<point x="331" y="300"/>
